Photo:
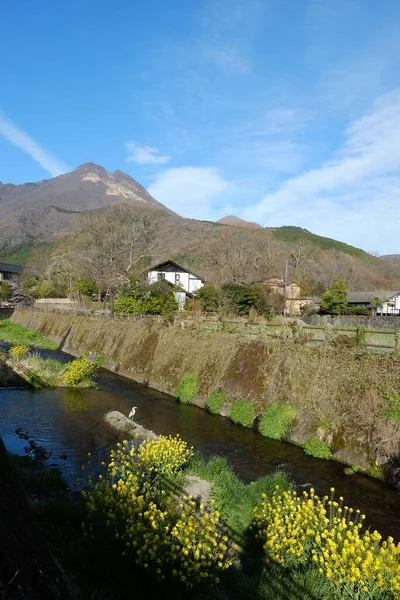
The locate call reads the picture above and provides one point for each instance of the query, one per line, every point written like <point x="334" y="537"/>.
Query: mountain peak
<point x="238" y="222"/>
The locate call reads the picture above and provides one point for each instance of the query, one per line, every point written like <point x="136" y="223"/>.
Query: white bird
<point x="132" y="413"/>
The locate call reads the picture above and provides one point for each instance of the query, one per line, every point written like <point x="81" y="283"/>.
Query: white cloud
<point x="353" y="197"/>
<point x="190" y="191"/>
<point x="145" y="155"/>
<point x="19" y="138"/>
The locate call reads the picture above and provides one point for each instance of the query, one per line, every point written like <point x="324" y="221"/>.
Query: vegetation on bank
<point x="187" y="388"/>
<point x="243" y="413"/>
<point x="133" y="524"/>
<point x="51" y="372"/>
<point x="215" y="401"/>
<point x="12" y="333"/>
<point x="317" y="448"/>
<point x="276" y="421"/>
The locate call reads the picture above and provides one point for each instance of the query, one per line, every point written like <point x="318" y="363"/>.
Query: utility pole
<point x="285" y="282"/>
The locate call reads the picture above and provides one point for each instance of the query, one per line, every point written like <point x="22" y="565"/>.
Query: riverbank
<point x="339" y="394"/>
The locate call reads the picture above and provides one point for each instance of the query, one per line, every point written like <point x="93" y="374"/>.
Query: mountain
<point x="395" y="258"/>
<point x="48" y="209"/>
<point x="238" y="222"/>
<point x="37" y="219"/>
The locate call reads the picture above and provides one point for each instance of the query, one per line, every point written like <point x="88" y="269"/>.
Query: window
<point x="160" y="276"/>
<point x="177" y="277"/>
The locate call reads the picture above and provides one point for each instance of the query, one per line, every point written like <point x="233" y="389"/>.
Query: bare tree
<point x="240" y="256"/>
<point x="111" y="245"/>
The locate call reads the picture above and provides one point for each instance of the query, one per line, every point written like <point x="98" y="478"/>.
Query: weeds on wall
<point x="317" y="448"/>
<point x="215" y="402"/>
<point x="242" y="413"/>
<point x="391" y="412"/>
<point x="187" y="388"/>
<point x="276" y="420"/>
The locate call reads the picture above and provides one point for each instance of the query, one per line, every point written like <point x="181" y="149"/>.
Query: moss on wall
<point x="337" y="391"/>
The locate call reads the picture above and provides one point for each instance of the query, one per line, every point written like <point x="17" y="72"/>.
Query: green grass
<point x="242" y="413"/>
<point x="234" y="499"/>
<point x="47" y="370"/>
<point x="15" y="334"/>
<point x="391" y="412"/>
<point x="187" y="388"/>
<point x="215" y="401"/>
<point x="317" y="448"/>
<point x="276" y="420"/>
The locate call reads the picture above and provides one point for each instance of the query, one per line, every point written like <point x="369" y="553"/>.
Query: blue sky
<point x="283" y="112"/>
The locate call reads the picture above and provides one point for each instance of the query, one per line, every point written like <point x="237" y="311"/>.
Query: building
<point x="173" y="273"/>
<point x="10" y="272"/>
<point x="289" y="292"/>
<point x="381" y="302"/>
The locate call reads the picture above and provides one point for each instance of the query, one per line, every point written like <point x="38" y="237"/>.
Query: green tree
<point x="334" y="301"/>
<point x="86" y="287"/>
<point x="5" y="290"/>
<point x="211" y="298"/>
<point x="139" y="298"/>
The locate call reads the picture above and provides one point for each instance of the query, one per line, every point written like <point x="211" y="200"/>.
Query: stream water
<point x="69" y="424"/>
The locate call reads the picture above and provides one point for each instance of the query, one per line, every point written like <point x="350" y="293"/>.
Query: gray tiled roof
<point x="6" y="268"/>
<point x="363" y="297"/>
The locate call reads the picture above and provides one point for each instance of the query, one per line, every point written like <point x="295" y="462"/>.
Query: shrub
<point x="155" y="299"/>
<point x="276" y="420"/>
<point x="308" y="530"/>
<point x="215" y="401"/>
<point x="77" y="370"/>
<point x="187" y="388"/>
<point x="317" y="448"/>
<point x="242" y="412"/>
<point x="357" y="310"/>
<point x="166" y="535"/>
<point x="19" y="351"/>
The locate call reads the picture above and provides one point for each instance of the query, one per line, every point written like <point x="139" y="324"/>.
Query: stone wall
<point x="354" y="320"/>
<point x="8" y="378"/>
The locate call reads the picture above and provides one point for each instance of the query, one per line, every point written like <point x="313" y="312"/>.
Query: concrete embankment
<point x="339" y="393"/>
<point x="8" y="377"/>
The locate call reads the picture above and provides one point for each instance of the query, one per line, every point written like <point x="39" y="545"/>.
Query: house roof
<point x="160" y="266"/>
<point x="358" y="297"/>
<point x="6" y="268"/>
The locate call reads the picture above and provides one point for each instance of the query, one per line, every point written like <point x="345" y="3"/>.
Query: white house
<point x="390" y="304"/>
<point x="382" y="302"/>
<point x="173" y="273"/>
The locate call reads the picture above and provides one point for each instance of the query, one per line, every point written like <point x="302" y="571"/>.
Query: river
<point x="69" y="423"/>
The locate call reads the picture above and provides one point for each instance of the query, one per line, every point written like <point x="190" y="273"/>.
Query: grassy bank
<point x="49" y="372"/>
<point x="12" y="333"/>
<point x="112" y="544"/>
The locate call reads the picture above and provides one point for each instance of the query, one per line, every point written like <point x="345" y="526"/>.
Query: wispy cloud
<point x="191" y="191"/>
<point x="229" y="27"/>
<point x="19" y="138"/>
<point x="145" y="155"/>
<point x="353" y="195"/>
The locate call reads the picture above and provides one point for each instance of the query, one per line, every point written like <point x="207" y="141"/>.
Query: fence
<point x="375" y="339"/>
